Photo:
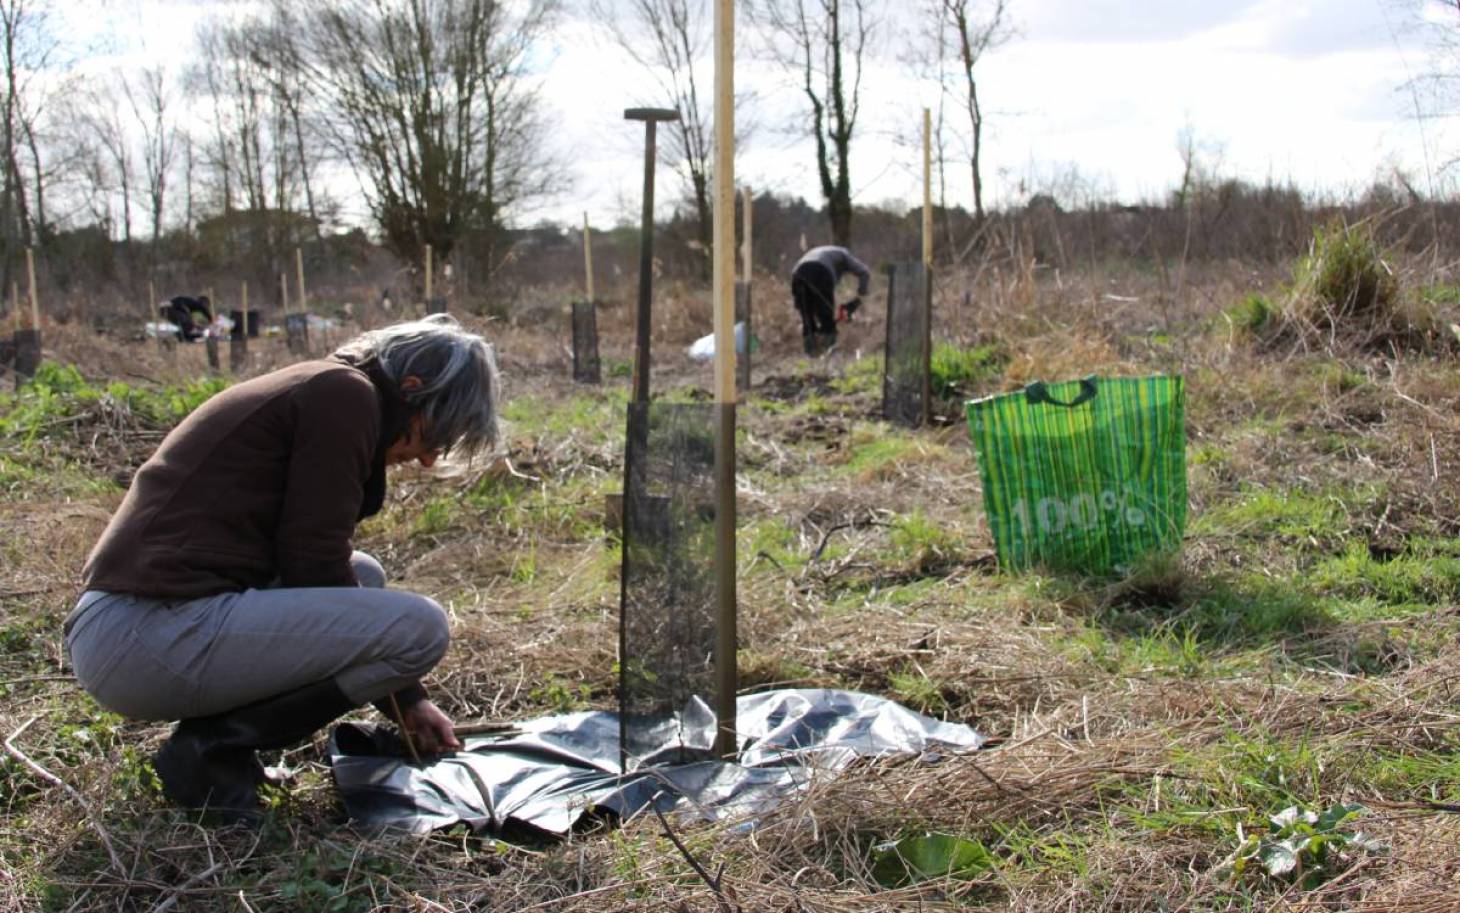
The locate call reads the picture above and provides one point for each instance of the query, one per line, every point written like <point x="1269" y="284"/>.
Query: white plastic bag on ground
<point x="703" y="349"/>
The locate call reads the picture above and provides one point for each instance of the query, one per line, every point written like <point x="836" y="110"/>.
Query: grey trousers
<point x="158" y="659"/>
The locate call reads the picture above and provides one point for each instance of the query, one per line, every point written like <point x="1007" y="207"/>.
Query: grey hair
<point x="458" y="374"/>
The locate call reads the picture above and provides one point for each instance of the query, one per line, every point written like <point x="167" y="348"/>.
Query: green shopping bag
<point x="1085" y="475"/>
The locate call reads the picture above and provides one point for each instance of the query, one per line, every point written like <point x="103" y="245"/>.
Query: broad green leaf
<point x="1285" y="818"/>
<point x="927" y="857"/>
<point x="1278" y="858"/>
<point x="1336" y="815"/>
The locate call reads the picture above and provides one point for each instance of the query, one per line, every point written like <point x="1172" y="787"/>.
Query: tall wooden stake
<point x="723" y="280"/>
<point x="587" y="259"/>
<point x="927" y="187"/>
<point x="15" y="302"/>
<point x="747" y="250"/>
<point x="299" y="274"/>
<point x="927" y="266"/>
<point x="428" y="277"/>
<point x="244" y="294"/>
<point x="35" y="302"/>
<point x="284" y="292"/>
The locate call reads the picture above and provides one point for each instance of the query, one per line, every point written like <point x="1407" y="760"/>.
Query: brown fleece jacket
<point x="262" y="483"/>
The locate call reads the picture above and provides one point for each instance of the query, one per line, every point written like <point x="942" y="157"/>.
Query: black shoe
<point x="211" y="762"/>
<point x="197" y="772"/>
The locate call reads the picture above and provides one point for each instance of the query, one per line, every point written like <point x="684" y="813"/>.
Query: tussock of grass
<point x="1346" y="295"/>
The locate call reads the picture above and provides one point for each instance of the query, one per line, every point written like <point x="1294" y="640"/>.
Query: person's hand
<point x="429" y="728"/>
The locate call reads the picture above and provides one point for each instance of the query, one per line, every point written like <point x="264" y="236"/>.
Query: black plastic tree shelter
<point x="906" y="368"/>
<point x="586" y="369"/>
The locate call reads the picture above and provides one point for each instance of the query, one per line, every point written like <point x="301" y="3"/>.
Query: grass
<point x="1145" y="731"/>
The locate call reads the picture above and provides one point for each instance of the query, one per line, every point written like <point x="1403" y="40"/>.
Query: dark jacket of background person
<point x="837" y="261"/>
<point x="261" y="485"/>
<point x="181" y="311"/>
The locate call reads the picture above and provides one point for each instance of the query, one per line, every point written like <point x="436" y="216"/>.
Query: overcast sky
<point x="1090" y="95"/>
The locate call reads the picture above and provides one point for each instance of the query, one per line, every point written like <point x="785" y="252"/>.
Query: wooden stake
<point x="244" y="296"/>
<point x="428" y="276"/>
<point x="587" y="258"/>
<point x="927" y="187"/>
<point x="284" y="292"/>
<point x="747" y="250"/>
<point x="35" y="303"/>
<point x="15" y="303"/>
<point x="299" y="272"/>
<point x="404" y="732"/>
<point x="723" y="280"/>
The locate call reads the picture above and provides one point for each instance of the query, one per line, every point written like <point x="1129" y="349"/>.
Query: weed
<point x="558" y="695"/>
<point x="1254" y="313"/>
<point x="957" y="372"/>
<point x="921" y="544"/>
<point x="913" y="686"/>
<point x="927" y="857"/>
<point x="1301" y="846"/>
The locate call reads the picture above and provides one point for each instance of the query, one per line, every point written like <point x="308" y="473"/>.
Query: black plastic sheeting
<point x="552" y="771"/>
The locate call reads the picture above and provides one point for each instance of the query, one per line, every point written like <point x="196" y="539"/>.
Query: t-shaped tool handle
<point x="651" y="117"/>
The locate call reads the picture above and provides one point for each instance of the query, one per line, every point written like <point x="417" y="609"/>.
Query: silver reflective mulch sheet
<point x="552" y="771"/>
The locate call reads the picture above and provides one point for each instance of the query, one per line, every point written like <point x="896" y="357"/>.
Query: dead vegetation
<point x="1299" y="653"/>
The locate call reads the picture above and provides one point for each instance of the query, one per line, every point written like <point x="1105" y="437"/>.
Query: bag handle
<point x="1038" y="392"/>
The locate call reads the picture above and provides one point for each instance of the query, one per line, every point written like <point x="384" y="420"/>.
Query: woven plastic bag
<point x="1085" y="475"/>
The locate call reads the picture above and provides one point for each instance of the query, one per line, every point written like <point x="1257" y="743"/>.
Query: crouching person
<point x="225" y="593"/>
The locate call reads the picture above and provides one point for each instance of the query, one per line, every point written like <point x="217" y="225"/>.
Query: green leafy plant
<point x="956" y="372"/>
<point x="1252" y="313"/>
<point x="928" y="856"/>
<point x="1301" y="846"/>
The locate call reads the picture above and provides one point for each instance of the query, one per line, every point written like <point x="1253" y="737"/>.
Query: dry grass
<point x="1135" y="725"/>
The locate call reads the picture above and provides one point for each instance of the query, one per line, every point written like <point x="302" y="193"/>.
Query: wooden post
<point x="15" y="303"/>
<point x="587" y="259"/>
<point x="743" y="296"/>
<point x="35" y="303"/>
<point x="927" y="340"/>
<point x="299" y="272"/>
<point x="428" y="275"/>
<point x="927" y="187"/>
<point x="284" y="292"/>
<point x="238" y="339"/>
<point x="210" y="341"/>
<point x="747" y="250"/>
<point x="723" y="280"/>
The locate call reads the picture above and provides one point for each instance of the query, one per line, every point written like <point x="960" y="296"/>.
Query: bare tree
<point x="430" y="102"/>
<point x="823" y="42"/>
<point x="26" y="49"/>
<point x="148" y="97"/>
<point x="667" y="38"/>
<point x="101" y="120"/>
<point x="974" y="35"/>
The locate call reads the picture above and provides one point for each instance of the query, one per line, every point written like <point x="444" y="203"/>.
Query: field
<point x="1146" y="732"/>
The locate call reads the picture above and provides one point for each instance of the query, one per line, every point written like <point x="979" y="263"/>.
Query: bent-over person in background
<point x="813" y="287"/>
<point x="225" y="593"/>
